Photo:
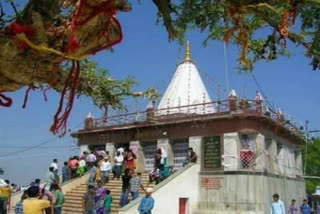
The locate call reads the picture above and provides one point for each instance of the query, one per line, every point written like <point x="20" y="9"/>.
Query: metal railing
<point x="202" y="110"/>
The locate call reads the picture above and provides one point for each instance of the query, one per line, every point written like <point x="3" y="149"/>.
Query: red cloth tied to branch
<point x="5" y="101"/>
<point x="60" y="118"/>
<point x="15" y="28"/>
<point x="85" y="14"/>
<point x="105" y="32"/>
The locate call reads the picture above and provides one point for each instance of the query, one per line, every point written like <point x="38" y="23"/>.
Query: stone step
<point x="112" y="187"/>
<point x="73" y="198"/>
<point x="76" y="204"/>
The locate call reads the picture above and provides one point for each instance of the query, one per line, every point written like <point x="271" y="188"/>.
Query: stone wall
<point x="245" y="193"/>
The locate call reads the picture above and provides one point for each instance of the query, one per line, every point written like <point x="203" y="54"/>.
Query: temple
<point x="246" y="150"/>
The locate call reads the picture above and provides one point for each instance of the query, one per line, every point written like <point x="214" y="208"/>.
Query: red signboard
<point x="211" y="183"/>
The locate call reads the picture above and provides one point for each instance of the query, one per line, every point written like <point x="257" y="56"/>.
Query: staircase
<point x="73" y="199"/>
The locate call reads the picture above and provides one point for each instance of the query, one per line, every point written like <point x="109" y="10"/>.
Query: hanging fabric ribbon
<point x="5" y="101"/>
<point x="60" y="118"/>
<point x="31" y="87"/>
<point x="105" y="31"/>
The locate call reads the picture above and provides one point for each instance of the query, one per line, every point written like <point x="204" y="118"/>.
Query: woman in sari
<point x="98" y="172"/>
<point x="130" y="160"/>
<point x="100" y="194"/>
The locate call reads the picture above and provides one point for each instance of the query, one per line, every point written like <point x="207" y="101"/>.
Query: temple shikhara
<point x="246" y="150"/>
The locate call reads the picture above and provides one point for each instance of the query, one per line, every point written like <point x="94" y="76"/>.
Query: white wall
<point x="167" y="196"/>
<point x="195" y="143"/>
<point x="83" y="148"/>
<point x="230" y="153"/>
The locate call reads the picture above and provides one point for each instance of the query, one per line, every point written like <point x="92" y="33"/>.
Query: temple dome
<point x="186" y="88"/>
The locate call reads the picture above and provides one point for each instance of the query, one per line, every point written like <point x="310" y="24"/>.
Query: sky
<point x="146" y="54"/>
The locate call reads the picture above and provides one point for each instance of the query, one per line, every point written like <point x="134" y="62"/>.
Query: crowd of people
<point x="278" y="207"/>
<point x="98" y="199"/>
<point x="36" y="199"/>
<point x="48" y="197"/>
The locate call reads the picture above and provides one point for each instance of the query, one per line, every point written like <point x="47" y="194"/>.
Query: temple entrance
<point x="149" y="149"/>
<point x="98" y="147"/>
<point x="125" y="146"/>
<point x="180" y="152"/>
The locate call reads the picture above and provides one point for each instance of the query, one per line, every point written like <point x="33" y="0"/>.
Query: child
<point x="154" y="175"/>
<point x="88" y="204"/>
<point x="34" y="205"/>
<point x="19" y="206"/>
<point x="107" y="203"/>
<point x="59" y="198"/>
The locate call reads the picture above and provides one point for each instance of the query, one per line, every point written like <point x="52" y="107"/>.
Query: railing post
<point x="258" y="99"/>
<point x="89" y="121"/>
<point x="150" y="111"/>
<point x="259" y="107"/>
<point x="233" y="100"/>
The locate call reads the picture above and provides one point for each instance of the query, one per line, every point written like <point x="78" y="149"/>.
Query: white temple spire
<point x="186" y="88"/>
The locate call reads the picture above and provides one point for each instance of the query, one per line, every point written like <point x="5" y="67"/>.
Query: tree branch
<point x="292" y="36"/>
<point x="2" y="14"/>
<point x="14" y="8"/>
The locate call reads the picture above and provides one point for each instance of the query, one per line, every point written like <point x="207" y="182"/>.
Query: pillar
<point x="165" y="143"/>
<point x="231" y="143"/>
<point x="83" y="148"/>
<point x="136" y="148"/>
<point x="280" y="161"/>
<point x="298" y="162"/>
<point x="195" y="143"/>
<point x="260" y="155"/>
<point x="272" y="156"/>
<point x="110" y="147"/>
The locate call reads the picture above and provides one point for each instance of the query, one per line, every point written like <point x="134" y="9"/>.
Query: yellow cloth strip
<point x="41" y="48"/>
<point x="265" y="5"/>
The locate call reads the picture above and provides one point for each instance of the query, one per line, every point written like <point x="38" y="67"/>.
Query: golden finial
<point x="187" y="57"/>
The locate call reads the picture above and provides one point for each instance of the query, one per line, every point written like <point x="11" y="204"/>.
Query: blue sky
<point x="146" y="54"/>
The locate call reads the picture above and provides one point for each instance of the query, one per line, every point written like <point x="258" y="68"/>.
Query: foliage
<point x="104" y="91"/>
<point x="260" y="28"/>
<point x="38" y="40"/>
<point x="312" y="161"/>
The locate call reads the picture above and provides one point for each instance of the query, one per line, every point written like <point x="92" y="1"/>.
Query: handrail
<point x="159" y="186"/>
<point x="15" y="197"/>
<point x="241" y="106"/>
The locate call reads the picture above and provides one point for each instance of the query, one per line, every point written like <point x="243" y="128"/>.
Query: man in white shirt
<point x="55" y="166"/>
<point x="121" y="150"/>
<point x="91" y="158"/>
<point x="105" y="168"/>
<point x="277" y="206"/>
<point x="118" y="160"/>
